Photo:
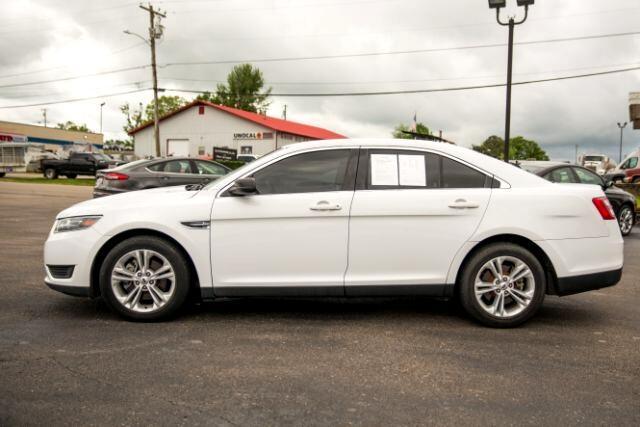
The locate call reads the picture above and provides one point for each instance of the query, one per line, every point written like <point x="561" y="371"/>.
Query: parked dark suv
<point x="144" y="174"/>
<point x="623" y="203"/>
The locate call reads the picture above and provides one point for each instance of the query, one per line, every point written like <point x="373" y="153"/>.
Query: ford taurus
<point x="344" y="218"/>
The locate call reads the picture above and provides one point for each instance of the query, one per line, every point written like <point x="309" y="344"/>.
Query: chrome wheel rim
<point x="143" y="280"/>
<point x="626" y="220"/>
<point x="504" y="286"/>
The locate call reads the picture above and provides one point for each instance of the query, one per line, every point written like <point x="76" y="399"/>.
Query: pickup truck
<point x="78" y="164"/>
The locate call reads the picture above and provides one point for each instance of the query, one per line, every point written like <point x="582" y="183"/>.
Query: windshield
<point x="593" y="158"/>
<point x="101" y="156"/>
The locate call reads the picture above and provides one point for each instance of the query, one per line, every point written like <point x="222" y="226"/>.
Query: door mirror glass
<point x="243" y="187"/>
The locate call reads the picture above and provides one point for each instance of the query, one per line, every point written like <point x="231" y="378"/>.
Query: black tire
<point x="172" y="254"/>
<point x="72" y="175"/>
<point x="2" y="174"/>
<point x="624" y="210"/>
<point x="635" y="180"/>
<point x="51" y="173"/>
<point x="466" y="285"/>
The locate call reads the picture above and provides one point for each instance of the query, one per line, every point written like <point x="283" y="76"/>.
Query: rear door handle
<point x="325" y="206"/>
<point x="463" y="204"/>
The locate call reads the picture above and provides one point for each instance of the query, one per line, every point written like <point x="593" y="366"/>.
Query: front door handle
<point x="463" y="204"/>
<point x="325" y="206"/>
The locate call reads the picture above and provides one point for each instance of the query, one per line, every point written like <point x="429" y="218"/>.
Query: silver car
<point x="144" y="174"/>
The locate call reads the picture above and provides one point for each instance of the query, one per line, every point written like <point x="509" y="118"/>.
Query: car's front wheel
<point x="502" y="285"/>
<point x="626" y="219"/>
<point x="145" y="278"/>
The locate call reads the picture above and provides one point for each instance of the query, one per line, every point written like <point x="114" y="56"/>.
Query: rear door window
<point x="561" y="176"/>
<point x="172" y="166"/>
<point x="457" y="175"/>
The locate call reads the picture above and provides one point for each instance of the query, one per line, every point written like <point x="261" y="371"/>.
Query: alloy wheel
<point x="626" y="220"/>
<point x="143" y="280"/>
<point x="504" y="286"/>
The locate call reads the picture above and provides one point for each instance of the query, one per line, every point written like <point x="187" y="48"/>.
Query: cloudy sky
<point x="56" y="41"/>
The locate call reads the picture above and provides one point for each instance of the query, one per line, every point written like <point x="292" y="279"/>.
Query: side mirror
<point x="244" y="187"/>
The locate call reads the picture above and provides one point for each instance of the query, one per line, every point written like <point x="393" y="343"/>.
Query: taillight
<point x="116" y="176"/>
<point x="604" y="208"/>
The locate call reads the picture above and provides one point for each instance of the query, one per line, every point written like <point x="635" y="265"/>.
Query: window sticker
<point x="412" y="170"/>
<point x="384" y="169"/>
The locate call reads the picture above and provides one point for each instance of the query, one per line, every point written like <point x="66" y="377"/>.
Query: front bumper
<point x="76" y="291"/>
<point x="587" y="282"/>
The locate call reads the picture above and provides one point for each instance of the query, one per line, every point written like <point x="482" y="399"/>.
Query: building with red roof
<point x="196" y="128"/>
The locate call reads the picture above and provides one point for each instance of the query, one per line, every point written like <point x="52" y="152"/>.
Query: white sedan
<point x="344" y="218"/>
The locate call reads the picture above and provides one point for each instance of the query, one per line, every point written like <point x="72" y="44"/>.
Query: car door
<point x="173" y="172"/>
<point x="291" y="237"/>
<point x="411" y="213"/>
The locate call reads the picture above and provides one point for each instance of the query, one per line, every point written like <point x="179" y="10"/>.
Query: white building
<point x="196" y="128"/>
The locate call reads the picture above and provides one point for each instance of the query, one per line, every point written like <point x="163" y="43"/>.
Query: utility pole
<point x="44" y="115"/>
<point x="621" y="126"/>
<point x="155" y="32"/>
<point x="576" y="157"/>
<point x="284" y="112"/>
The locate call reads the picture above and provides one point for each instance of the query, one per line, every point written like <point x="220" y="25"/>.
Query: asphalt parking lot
<point x="396" y="361"/>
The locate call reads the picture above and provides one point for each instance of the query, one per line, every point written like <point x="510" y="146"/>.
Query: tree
<point x="143" y="114"/>
<point x="420" y="128"/>
<point x="133" y="115"/>
<point x="69" y="125"/>
<point x="244" y="90"/>
<point x="118" y="145"/>
<point x="519" y="149"/>
<point x="166" y="104"/>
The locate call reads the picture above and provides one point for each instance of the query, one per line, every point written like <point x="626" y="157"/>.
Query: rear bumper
<point x="587" y="282"/>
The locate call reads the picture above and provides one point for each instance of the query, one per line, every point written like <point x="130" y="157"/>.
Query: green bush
<point x="231" y="164"/>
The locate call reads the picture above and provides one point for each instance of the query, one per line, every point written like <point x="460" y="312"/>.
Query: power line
<point x="398" y="52"/>
<point x="402" y="92"/>
<point x="66" y="101"/>
<point x="42" y="70"/>
<point x="305" y="58"/>
<point x="361" y="82"/>
<point x="449" y="89"/>
<point x="101" y="73"/>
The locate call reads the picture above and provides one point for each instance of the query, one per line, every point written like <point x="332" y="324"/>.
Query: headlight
<point x="75" y="223"/>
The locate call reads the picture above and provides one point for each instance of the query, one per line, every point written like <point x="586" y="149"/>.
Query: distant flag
<point x="414" y="125"/>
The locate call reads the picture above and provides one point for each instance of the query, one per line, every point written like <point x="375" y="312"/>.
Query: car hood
<point x="143" y="199"/>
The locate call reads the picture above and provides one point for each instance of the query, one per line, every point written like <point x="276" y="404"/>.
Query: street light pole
<point x="621" y="126"/>
<point x="101" y="105"/>
<point x="511" y="23"/>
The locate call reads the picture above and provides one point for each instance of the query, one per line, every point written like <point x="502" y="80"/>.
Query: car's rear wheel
<point x="626" y="219"/>
<point x="2" y="174"/>
<point x="72" y="175"/>
<point x="145" y="278"/>
<point x="502" y="285"/>
<point x="50" y="173"/>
